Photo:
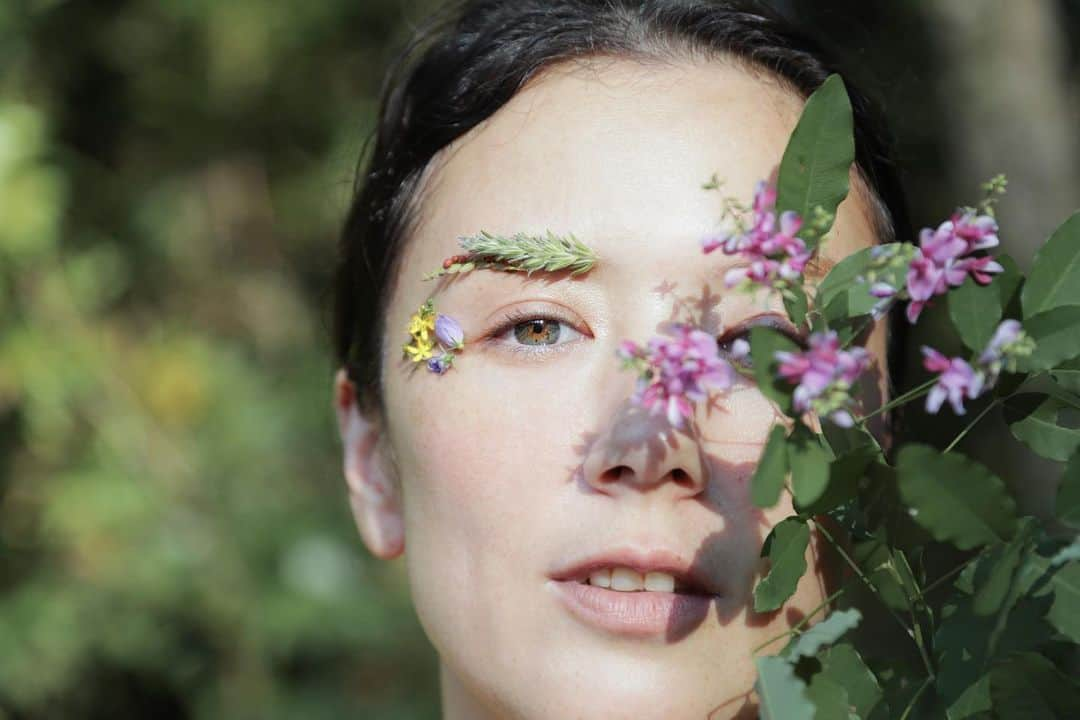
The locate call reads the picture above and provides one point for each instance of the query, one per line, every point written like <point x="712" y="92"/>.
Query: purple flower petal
<point x="449" y="332"/>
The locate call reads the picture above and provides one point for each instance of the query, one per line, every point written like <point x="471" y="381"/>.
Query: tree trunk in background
<point x="1011" y="108"/>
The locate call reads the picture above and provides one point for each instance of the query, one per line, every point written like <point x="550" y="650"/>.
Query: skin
<point x="522" y="458"/>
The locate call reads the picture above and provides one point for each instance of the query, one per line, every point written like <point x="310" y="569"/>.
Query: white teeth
<point x="659" y="582"/>
<point x="600" y="578"/>
<point x="626" y="580"/>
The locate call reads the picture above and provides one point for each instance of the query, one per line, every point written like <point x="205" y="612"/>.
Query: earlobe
<point x="374" y="493"/>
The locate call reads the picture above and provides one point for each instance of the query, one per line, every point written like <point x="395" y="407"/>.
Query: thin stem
<point x="909" y="395"/>
<point x="915" y="698"/>
<point x="799" y="625"/>
<point x="972" y="424"/>
<point x="867" y="323"/>
<point x="923" y="592"/>
<point x="858" y="571"/>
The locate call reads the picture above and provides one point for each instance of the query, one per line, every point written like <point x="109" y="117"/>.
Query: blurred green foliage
<point x="175" y="539"/>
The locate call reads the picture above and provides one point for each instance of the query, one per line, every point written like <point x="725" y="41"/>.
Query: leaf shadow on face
<point x="641" y="453"/>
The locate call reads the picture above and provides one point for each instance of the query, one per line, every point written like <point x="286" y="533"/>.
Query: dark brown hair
<point x="472" y="57"/>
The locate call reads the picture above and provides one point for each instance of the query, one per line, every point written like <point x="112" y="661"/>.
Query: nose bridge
<point x="640" y="451"/>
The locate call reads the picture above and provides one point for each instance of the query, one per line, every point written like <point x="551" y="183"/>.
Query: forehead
<point x="614" y="151"/>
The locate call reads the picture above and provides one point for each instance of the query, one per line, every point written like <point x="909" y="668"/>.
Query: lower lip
<point x="636" y="614"/>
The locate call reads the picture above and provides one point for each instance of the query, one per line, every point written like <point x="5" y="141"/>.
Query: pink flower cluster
<point x="944" y="258"/>
<point x="773" y="252"/>
<point x="958" y="379"/>
<point x="823" y="376"/>
<point x="675" y="370"/>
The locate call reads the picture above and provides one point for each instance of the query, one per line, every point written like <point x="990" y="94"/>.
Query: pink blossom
<point x="823" y="376"/>
<point x="956" y="380"/>
<point x="943" y="258"/>
<point x="773" y="252"/>
<point x="1007" y="333"/>
<point x="676" y="370"/>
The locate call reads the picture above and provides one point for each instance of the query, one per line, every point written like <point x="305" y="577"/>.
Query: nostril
<point x="614" y="474"/>
<point x="682" y="478"/>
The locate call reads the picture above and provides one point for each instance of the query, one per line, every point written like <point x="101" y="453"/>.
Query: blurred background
<point x="174" y="536"/>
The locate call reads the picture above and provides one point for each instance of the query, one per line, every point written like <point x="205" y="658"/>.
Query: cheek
<point x="481" y="450"/>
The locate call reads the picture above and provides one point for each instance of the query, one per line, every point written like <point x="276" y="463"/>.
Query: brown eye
<point x="534" y="332"/>
<point x="538" y="331"/>
<point x="726" y="343"/>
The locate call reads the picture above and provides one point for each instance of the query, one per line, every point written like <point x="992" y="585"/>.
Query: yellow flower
<point x="421" y="326"/>
<point x="419" y="350"/>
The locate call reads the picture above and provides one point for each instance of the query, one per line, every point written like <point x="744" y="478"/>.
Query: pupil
<point x="538" y="332"/>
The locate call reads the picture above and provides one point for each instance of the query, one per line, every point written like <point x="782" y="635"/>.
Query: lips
<point x="632" y="611"/>
<point x="689" y="580"/>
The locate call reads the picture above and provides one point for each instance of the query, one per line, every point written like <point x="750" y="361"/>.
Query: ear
<point x="374" y="493"/>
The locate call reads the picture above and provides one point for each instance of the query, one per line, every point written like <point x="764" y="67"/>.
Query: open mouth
<point x="623" y="579"/>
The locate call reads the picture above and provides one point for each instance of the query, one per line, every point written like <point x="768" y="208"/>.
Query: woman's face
<point x="526" y="464"/>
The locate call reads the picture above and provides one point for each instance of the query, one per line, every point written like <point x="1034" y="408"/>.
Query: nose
<point x="639" y="452"/>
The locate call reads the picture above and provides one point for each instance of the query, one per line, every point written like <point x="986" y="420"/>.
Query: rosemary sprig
<point x="520" y="252"/>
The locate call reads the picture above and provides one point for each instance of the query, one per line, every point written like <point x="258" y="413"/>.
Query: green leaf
<point x="1067" y="374"/>
<point x="960" y="645"/>
<point x="889" y="572"/>
<point x="816" y="166"/>
<point x="771" y="470"/>
<point x="843" y="440"/>
<point x="843" y="664"/>
<point x="822" y="633"/>
<point x="1064" y="614"/>
<point x="786" y="549"/>
<point x="1069" y="553"/>
<point x="996" y="586"/>
<point x="1067" y="504"/>
<point x="1054" y="279"/>
<point x="1029" y="686"/>
<point x="830" y="698"/>
<point x="843" y="482"/>
<point x="975" y="311"/>
<point x="796" y="304"/>
<point x="809" y="464"/>
<point x="954" y="498"/>
<point x="1033" y="420"/>
<point x="1056" y="333"/>
<point x="973" y="702"/>
<point x="764" y="344"/>
<point x="781" y="693"/>
<point x="844" y="275"/>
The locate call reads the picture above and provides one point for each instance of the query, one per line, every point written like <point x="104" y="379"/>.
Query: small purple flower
<point x="882" y="290"/>
<point x="449" y="332"/>
<point x="773" y="253"/>
<point x="943" y="258"/>
<point x="441" y="363"/>
<point x="676" y="370"/>
<point x="1007" y="333"/>
<point x="823" y="376"/>
<point x="956" y="380"/>
<point x="979" y="232"/>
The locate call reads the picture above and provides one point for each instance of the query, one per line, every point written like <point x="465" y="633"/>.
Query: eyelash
<point x="774" y="321"/>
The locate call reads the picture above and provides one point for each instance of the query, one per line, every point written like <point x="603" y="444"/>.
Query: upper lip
<point x="688" y="577"/>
